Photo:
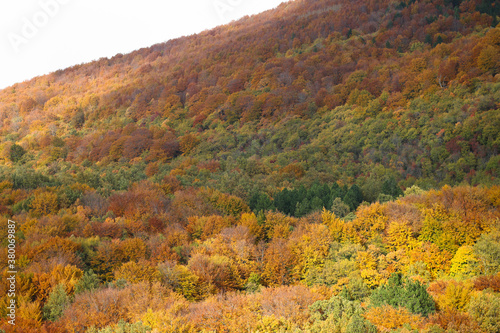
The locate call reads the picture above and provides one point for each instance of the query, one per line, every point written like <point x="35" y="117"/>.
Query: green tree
<point x="339" y="208"/>
<point x="253" y="283"/>
<point x="339" y="315"/>
<point x="353" y="197"/>
<point x="316" y="204"/>
<point x="79" y="119"/>
<point x="336" y="191"/>
<point x="302" y="208"/>
<point x="414" y="190"/>
<point x="260" y="202"/>
<point x="384" y="198"/>
<point x="282" y="201"/>
<point x="359" y="324"/>
<point x="487" y="250"/>
<point x="16" y="153"/>
<point x="57" y="302"/>
<point x="390" y="187"/>
<point x="88" y="282"/>
<point x="122" y="327"/>
<point x="402" y="292"/>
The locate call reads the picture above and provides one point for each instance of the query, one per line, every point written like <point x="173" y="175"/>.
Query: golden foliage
<point x="451" y="295"/>
<point x="399" y="237"/>
<point x="335" y="224"/>
<point x="44" y="203"/>
<point x="136" y="272"/>
<point x="465" y="263"/>
<point x="310" y="245"/>
<point x="387" y="318"/>
<point x="188" y="143"/>
<point x="29" y="311"/>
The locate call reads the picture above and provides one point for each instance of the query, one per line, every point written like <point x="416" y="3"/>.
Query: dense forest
<point x="326" y="166"/>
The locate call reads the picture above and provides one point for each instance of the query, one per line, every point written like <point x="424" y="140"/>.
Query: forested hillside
<point x="326" y="166"/>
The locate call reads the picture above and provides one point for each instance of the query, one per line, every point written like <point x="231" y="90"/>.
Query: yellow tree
<point x="278" y="225"/>
<point x="437" y="260"/>
<point x="250" y="221"/>
<point x="310" y="244"/>
<point x="278" y="264"/>
<point x="489" y="59"/>
<point x="67" y="275"/>
<point x="399" y="236"/>
<point x="44" y="203"/>
<point x="433" y="228"/>
<point x="188" y="142"/>
<point x="335" y="225"/>
<point x="368" y="263"/>
<point x="370" y="222"/>
<point x="387" y="318"/>
<point x="135" y="272"/>
<point x="29" y="311"/>
<point x="464" y="264"/>
<point x="451" y="295"/>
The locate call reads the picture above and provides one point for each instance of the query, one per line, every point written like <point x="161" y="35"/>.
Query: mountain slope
<point x="335" y="90"/>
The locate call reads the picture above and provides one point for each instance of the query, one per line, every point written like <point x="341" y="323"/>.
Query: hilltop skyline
<point x="42" y="36"/>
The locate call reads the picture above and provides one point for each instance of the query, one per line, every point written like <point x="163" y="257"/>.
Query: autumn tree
<point x="389" y="318"/>
<point x="278" y="264"/>
<point x="188" y="143"/>
<point x="487" y="250"/>
<point x="485" y="308"/>
<point x="464" y="264"/>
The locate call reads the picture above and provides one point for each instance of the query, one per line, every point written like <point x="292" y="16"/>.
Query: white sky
<point x="40" y="36"/>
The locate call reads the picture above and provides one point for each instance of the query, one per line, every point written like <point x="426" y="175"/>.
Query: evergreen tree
<point x="316" y="204"/>
<point x="296" y="196"/>
<point x="260" y="202"/>
<point x="402" y="292"/>
<point x="282" y="201"/>
<point x="353" y="197"/>
<point x="359" y="324"/>
<point x="335" y="192"/>
<point x="88" y="282"/>
<point x="16" y="153"/>
<point x="324" y="194"/>
<point x="57" y="302"/>
<point x="390" y="187"/>
<point x="302" y="208"/>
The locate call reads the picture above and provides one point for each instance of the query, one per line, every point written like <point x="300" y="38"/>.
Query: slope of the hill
<point x="354" y="91"/>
